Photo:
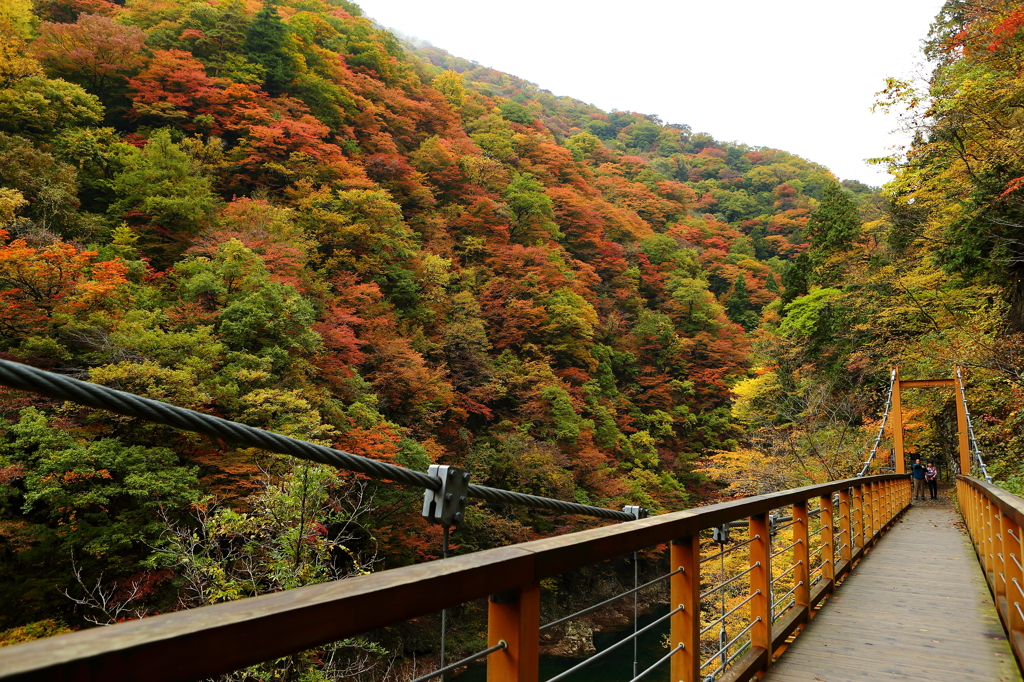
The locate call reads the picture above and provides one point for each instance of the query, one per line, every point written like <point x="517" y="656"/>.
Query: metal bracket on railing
<point x="635" y="511"/>
<point x="446" y="506"/>
<point x="720" y="534"/>
<point x="772" y="532"/>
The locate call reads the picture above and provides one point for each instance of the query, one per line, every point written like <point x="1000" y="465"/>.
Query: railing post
<point x="1004" y="588"/>
<point x="685" y="590"/>
<point x="857" y="516"/>
<point x="1014" y="588"/>
<point x="988" y="540"/>
<point x="760" y="589"/>
<point x="866" y="528"/>
<point x="889" y="502"/>
<point x="978" y="514"/>
<point x="845" y="524"/>
<point x="876" y="511"/>
<point x="883" y="492"/>
<point x="828" y="558"/>
<point x="801" y="555"/>
<point x="514" y="616"/>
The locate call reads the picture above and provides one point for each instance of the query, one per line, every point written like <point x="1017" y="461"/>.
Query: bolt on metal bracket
<point x="720" y="534"/>
<point x="446" y="506"/>
<point x="635" y="511"/>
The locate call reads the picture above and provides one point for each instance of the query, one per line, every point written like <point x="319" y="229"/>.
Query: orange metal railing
<point x="833" y="523"/>
<point x="994" y="518"/>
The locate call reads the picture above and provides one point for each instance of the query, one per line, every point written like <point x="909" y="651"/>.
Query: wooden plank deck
<point x="916" y="608"/>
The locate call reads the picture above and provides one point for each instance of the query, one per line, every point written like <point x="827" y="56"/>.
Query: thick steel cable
<point x="59" y="387"/>
<point x="881" y="429"/>
<point x="970" y="428"/>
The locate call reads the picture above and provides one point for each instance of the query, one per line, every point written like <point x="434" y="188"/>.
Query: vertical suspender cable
<point x="636" y="583"/>
<point x="723" y="633"/>
<point x="444" y="612"/>
<point x="881" y="429"/>
<point x="970" y="429"/>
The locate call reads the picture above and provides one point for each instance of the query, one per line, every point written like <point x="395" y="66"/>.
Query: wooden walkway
<point x="916" y="608"/>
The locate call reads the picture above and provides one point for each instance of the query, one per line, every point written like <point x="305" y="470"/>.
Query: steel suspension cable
<point x="60" y="387"/>
<point x="881" y="429"/>
<point x="970" y="429"/>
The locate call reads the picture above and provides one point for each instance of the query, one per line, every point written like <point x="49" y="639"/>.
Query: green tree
<point x="38" y="107"/>
<point x="531" y="208"/>
<point x="515" y="112"/>
<point x="738" y="307"/>
<point x="832" y="229"/>
<point x="450" y="85"/>
<point x="265" y="43"/>
<point x="87" y="506"/>
<point x="49" y="186"/>
<point x="162" y="189"/>
<point x="797" y="278"/>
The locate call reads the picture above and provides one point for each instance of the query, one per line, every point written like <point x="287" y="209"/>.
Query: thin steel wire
<point x="728" y="613"/>
<point x="785" y="596"/>
<point x="661" y="660"/>
<point x="729" y="645"/>
<point x="606" y="602"/>
<point x="736" y="577"/>
<point x="787" y="571"/>
<point x="881" y="429"/>
<point x="786" y="548"/>
<point x="636" y="583"/>
<point x="734" y="547"/>
<point x="444" y="612"/>
<point x="59" y="387"/>
<point x="615" y="646"/>
<point x="726" y="664"/>
<point x="475" y="657"/>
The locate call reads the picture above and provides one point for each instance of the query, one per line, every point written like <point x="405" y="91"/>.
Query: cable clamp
<point x="635" y="511"/>
<point x="446" y="506"/>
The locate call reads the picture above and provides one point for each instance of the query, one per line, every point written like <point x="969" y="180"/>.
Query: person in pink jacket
<point x="931" y="477"/>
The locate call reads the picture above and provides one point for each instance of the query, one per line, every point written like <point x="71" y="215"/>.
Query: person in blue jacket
<point x="918" y="476"/>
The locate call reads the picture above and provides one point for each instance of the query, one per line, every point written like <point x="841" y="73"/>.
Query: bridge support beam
<point x="514" y="616"/>
<point x="897" y="426"/>
<point x="961" y="425"/>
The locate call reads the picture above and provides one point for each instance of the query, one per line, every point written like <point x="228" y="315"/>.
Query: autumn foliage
<point x="284" y="216"/>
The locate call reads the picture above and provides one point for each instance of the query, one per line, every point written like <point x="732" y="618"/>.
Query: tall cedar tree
<point x="264" y="44"/>
<point x="834" y="224"/>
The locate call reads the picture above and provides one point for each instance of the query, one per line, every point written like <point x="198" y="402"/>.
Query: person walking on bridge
<point x="918" y="475"/>
<point x="931" y="477"/>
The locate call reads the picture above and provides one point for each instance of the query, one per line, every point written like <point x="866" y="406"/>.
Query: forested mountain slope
<point x="932" y="281"/>
<point x="281" y="215"/>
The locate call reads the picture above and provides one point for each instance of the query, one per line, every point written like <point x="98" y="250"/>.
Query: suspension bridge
<point x="847" y="580"/>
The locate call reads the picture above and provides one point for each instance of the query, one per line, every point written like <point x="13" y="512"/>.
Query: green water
<point x="615" y="667"/>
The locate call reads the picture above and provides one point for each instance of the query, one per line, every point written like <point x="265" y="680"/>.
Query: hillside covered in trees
<point x="282" y="215"/>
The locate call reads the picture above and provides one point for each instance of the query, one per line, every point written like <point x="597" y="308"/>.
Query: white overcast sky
<point x="798" y="75"/>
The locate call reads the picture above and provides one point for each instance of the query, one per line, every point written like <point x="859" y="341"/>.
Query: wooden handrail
<point x="210" y="640"/>
<point x="994" y="518"/>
